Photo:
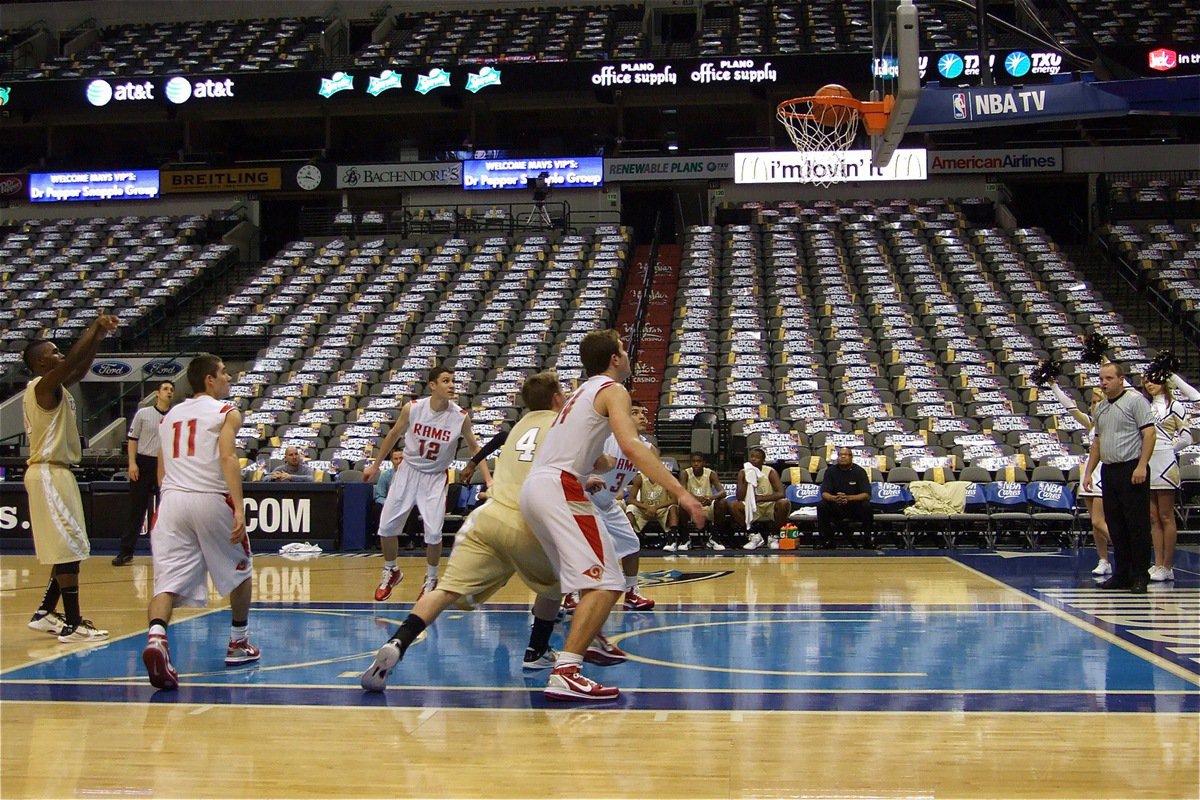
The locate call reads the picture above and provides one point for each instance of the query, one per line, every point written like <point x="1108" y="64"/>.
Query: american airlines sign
<point x="810" y="166"/>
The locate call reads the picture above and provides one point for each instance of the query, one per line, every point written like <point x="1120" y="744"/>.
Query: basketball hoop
<point x="824" y="125"/>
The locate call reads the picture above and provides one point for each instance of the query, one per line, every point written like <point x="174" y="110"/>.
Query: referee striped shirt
<point x="1119" y="424"/>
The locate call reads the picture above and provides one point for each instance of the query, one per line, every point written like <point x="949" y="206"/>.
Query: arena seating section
<point x="613" y="32"/>
<point x="896" y="328"/>
<point x="193" y="47"/>
<point x="354" y="328"/>
<point x="51" y="270"/>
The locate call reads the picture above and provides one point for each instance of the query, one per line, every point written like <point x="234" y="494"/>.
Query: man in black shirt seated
<point x="845" y="495"/>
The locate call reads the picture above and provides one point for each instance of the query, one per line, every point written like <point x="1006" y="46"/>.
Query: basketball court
<point x="961" y="674"/>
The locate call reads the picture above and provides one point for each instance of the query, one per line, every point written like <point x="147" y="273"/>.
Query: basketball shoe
<point x="157" y="658"/>
<point x="241" y="652"/>
<point x="570" y="601"/>
<point x="428" y="586"/>
<point x="85" y="631"/>
<point x="387" y="581"/>
<point x="47" y="622"/>
<point x="541" y="660"/>
<point x="386" y="659"/>
<point x="568" y="683"/>
<point x="603" y="652"/>
<point x="636" y="601"/>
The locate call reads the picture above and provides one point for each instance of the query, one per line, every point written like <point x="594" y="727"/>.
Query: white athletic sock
<point x="566" y="659"/>
<point x="157" y="630"/>
<point x="431" y="571"/>
<point x="631" y="582"/>
<point x="238" y="633"/>
<point x="389" y="564"/>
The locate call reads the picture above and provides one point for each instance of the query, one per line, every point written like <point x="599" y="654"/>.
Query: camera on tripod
<point x="540" y="186"/>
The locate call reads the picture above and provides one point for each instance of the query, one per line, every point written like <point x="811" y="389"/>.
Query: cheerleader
<point x="1091" y="499"/>
<point x="1173" y="436"/>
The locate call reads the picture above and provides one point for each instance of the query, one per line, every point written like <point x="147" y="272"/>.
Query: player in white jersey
<point x="604" y="490"/>
<point x="200" y="530"/>
<point x="493" y="544"/>
<point x="563" y="519"/>
<point x="431" y="428"/>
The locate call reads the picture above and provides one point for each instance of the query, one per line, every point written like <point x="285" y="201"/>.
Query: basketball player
<point x="760" y="498"/>
<point x="55" y="506"/>
<point x="562" y="518"/>
<point x="493" y="544"/>
<point x="702" y="483"/>
<point x="200" y="529"/>
<point x="142" y="445"/>
<point x="649" y="501"/>
<point x="604" y="490"/>
<point x="431" y="428"/>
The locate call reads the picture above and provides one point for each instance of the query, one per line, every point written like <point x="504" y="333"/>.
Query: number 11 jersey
<point x="188" y="435"/>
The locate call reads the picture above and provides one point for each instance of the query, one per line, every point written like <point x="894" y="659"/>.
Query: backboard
<point x="895" y="69"/>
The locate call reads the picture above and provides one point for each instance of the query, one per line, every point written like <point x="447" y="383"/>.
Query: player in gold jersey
<point x="494" y="543"/>
<point x="55" y="506"/>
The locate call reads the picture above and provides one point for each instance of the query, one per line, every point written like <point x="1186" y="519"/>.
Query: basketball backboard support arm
<point x="908" y="84"/>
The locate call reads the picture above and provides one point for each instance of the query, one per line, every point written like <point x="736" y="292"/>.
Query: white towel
<point x="752" y="473"/>
<point x="299" y="551"/>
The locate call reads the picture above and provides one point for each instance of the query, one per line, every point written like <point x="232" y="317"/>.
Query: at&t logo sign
<point x="179" y="89"/>
<point x="101" y="92"/>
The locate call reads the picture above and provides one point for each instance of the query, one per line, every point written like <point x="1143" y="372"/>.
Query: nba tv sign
<point x="811" y="166"/>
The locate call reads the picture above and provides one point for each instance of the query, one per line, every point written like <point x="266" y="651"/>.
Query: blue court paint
<point x="1027" y="655"/>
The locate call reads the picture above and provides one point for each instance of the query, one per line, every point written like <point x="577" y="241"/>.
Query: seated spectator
<point x="845" y="496"/>
<point x="650" y="501"/>
<point x="703" y="484"/>
<point x="293" y="468"/>
<point x="765" y="504"/>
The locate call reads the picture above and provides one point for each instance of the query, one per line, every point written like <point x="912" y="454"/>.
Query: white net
<point x="823" y="129"/>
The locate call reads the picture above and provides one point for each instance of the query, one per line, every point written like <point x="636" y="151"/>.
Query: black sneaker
<point x="122" y="560"/>
<point x="541" y="660"/>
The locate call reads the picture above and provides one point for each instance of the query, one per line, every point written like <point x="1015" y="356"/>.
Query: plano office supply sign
<point x="373" y="176"/>
<point x="515" y="173"/>
<point x="1040" y="159"/>
<point x="629" y="170"/>
<point x="94" y="186"/>
<point x="809" y="166"/>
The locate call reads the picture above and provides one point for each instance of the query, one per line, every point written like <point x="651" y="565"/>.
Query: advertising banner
<point x="939" y="108"/>
<point x="627" y="170"/>
<point x="1034" y="159"/>
<point x="514" y="173"/>
<point x="792" y="166"/>
<point x="133" y="370"/>
<point x="14" y="186"/>
<point x="93" y="187"/>
<point x="369" y="176"/>
<point x="197" y="181"/>
<point x="275" y="513"/>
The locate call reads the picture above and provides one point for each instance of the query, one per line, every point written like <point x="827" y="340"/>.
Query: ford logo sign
<point x="111" y="369"/>
<point x="162" y="369"/>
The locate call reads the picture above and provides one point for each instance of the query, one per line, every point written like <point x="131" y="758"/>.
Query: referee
<point x="142" y="445"/>
<point x="1124" y="440"/>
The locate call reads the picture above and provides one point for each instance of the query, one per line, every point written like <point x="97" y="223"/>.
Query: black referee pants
<point x="142" y="493"/>
<point x="1127" y="511"/>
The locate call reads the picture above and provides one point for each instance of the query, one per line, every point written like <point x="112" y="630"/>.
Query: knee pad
<point x="70" y="568"/>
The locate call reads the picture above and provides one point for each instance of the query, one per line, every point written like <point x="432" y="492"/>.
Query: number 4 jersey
<point x="516" y="457"/>
<point x="431" y="440"/>
<point x="188" y="435"/>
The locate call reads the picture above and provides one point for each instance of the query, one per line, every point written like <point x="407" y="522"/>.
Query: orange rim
<point x="874" y="113"/>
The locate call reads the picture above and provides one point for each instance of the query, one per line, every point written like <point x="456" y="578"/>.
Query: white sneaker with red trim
<point x="636" y="601"/>
<point x="603" y="652"/>
<point x="568" y="683"/>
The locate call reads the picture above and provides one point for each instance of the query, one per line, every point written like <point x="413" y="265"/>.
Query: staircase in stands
<point x="656" y="329"/>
